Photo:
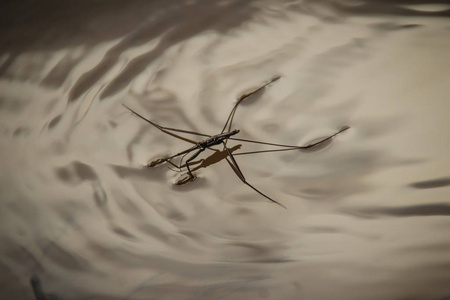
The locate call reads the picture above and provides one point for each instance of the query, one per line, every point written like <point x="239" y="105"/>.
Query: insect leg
<point x="285" y="147"/>
<point x="235" y="167"/>
<point x="181" y="160"/>
<point x="168" y="129"/>
<point x="167" y="159"/>
<point x="175" y="166"/>
<point x="230" y="118"/>
<point x="190" y="176"/>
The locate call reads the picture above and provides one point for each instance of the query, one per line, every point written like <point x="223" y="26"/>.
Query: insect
<point x="221" y="139"/>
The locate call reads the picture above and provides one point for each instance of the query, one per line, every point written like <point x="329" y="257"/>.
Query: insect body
<point x="217" y="139"/>
<point x="221" y="139"/>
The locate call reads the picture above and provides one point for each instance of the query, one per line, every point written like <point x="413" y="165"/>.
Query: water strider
<point x="222" y="139"/>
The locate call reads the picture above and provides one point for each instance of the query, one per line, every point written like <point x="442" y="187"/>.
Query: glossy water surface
<point x="368" y="214"/>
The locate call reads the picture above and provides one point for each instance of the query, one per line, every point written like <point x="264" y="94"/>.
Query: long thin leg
<point x="175" y="166"/>
<point x="165" y="159"/>
<point x="191" y="176"/>
<point x="291" y="147"/>
<point x="191" y="159"/>
<point x="180" y="164"/>
<point x="181" y="160"/>
<point x="168" y="159"/>
<point x="168" y="129"/>
<point x="230" y="118"/>
<point x="179" y="168"/>
<point x="264" y="151"/>
<point x="234" y="164"/>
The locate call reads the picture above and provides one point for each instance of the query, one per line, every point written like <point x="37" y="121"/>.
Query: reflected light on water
<point x="83" y="217"/>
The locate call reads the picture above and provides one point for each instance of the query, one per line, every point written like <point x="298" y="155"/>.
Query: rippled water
<point x="367" y="216"/>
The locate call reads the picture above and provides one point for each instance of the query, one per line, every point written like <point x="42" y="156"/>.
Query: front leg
<point x="168" y="159"/>
<point x="190" y="176"/>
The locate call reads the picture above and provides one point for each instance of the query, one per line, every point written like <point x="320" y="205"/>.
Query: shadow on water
<point x="52" y="25"/>
<point x="423" y="210"/>
<point x="38" y="290"/>
<point x="409" y="8"/>
<point x="214" y="158"/>
<point x="132" y="226"/>
<point x="396" y="7"/>
<point x="431" y="184"/>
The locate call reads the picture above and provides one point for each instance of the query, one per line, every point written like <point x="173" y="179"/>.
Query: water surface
<point x="367" y="214"/>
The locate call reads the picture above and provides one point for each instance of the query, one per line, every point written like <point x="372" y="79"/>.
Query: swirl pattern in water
<point x="368" y="211"/>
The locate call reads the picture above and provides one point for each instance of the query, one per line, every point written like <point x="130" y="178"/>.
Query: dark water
<point x="367" y="215"/>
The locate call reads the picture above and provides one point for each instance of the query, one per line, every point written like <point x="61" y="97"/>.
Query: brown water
<point x="367" y="215"/>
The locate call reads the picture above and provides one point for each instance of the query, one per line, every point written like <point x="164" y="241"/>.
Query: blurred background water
<point x="367" y="215"/>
